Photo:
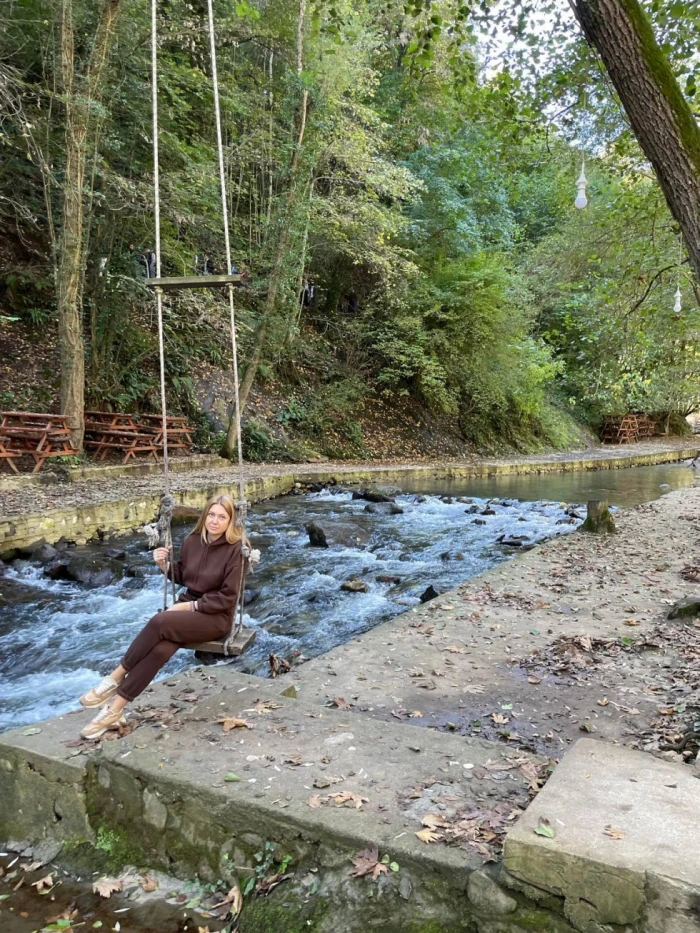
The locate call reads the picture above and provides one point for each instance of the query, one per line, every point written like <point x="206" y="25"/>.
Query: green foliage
<point x="258" y="443"/>
<point x="429" y="203"/>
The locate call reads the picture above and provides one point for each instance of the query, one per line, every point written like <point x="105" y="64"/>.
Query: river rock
<point x="479" y="521"/>
<point x="488" y="511"/>
<point x="387" y="578"/>
<point x="427" y="595"/>
<point x="44" y="553"/>
<point x="115" y="553"/>
<point x="354" y="586"/>
<point x="317" y="536"/>
<point x="377" y="493"/>
<point x="512" y="540"/>
<point x="472" y="510"/>
<point x="249" y="596"/>
<point x="383" y="508"/>
<point x="57" y="569"/>
<point x="451" y="555"/>
<point x="684" y="608"/>
<point x="93" y="573"/>
<point x="135" y="571"/>
<point x="487" y="896"/>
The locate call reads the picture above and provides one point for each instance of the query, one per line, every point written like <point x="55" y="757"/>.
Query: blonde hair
<point x="233" y="532"/>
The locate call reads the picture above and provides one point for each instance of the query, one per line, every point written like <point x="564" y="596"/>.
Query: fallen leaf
<point x="106" y="887"/>
<point x="367" y="863"/>
<point x="42" y="883"/>
<point x="603" y="701"/>
<point x="340" y="703"/>
<point x="499" y="719"/>
<point x="346" y="797"/>
<point x="613" y="833"/>
<point x="534" y="680"/>
<point x="232" y="778"/>
<point x="235" y="899"/>
<point x="415" y="714"/>
<point x="230" y="723"/>
<point x="632" y="622"/>
<point x="588" y="726"/>
<point x="314" y="802"/>
<point x="434" y="821"/>
<point x="473" y="688"/>
<point x="148" y="884"/>
<point x="427" y="835"/>
<point x="33" y="731"/>
<point x="544" y="828"/>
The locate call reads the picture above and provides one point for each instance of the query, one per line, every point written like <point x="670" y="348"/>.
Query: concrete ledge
<point x="161" y="797"/>
<point x="626" y="850"/>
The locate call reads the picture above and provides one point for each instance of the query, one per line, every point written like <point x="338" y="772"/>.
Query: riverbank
<point x="102" y="501"/>
<point x="571" y="639"/>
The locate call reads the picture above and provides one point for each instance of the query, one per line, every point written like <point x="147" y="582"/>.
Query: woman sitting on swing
<point x="212" y="568"/>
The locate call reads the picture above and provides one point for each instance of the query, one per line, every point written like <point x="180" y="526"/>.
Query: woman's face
<point x="217" y="520"/>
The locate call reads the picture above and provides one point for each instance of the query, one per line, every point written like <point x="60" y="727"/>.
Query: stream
<point x="58" y="637"/>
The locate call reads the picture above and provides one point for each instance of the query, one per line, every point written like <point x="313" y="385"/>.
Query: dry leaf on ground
<point x="42" y="883"/>
<point x="614" y="833"/>
<point x="347" y="798"/>
<point x="434" y="821"/>
<point x="148" y="884"/>
<point x="106" y="887"/>
<point x="229" y="723"/>
<point x="367" y="863"/>
<point x="427" y="835"/>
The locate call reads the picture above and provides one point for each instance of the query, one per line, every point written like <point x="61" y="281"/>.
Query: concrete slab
<point x="626" y="849"/>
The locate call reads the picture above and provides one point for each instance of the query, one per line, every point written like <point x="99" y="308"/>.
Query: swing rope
<point x="162" y="529"/>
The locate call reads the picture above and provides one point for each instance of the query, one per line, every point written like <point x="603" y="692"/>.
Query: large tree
<point x="658" y="112"/>
<point x="81" y="92"/>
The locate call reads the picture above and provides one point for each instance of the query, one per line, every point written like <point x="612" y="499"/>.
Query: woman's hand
<point x="180" y="607"/>
<point x="161" y="555"/>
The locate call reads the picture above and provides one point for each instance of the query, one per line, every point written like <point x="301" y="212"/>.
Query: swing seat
<point x="243" y="640"/>
<point x="174" y="283"/>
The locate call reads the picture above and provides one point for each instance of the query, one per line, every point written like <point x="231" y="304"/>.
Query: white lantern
<point x="581" y="199"/>
<point x="677" y="303"/>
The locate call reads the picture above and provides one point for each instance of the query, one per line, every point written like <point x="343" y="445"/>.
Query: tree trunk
<point x="78" y="105"/>
<point x="660" y="116"/>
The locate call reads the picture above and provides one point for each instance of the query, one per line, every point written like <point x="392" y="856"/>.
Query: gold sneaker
<point x="100" y="694"/>
<point x="106" y="719"/>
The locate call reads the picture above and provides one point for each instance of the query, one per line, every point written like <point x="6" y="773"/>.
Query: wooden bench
<point x="34" y="434"/>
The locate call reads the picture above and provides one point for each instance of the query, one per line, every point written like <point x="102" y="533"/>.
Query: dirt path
<point x="100" y="488"/>
<point x="568" y="639"/>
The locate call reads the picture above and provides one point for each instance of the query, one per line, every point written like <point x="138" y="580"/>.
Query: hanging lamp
<point x="581" y="183"/>
<point x="677" y="305"/>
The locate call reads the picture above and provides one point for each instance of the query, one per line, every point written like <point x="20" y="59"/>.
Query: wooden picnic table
<point x="102" y="438"/>
<point x="111" y="419"/>
<point x="35" y="434"/>
<point x="179" y="431"/>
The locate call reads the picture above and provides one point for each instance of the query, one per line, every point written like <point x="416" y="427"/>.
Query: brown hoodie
<point x="212" y="573"/>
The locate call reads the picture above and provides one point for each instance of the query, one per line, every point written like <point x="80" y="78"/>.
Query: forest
<point x="401" y="177"/>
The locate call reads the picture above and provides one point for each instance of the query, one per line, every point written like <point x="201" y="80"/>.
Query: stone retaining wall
<point x="125" y="515"/>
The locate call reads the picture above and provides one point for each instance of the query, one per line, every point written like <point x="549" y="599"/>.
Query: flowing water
<point x="56" y="638"/>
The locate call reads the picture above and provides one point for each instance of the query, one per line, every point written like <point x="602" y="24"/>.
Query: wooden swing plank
<point x="243" y="640"/>
<point x="173" y="283"/>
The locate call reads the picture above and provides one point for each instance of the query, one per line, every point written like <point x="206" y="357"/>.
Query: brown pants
<point x="160" y="639"/>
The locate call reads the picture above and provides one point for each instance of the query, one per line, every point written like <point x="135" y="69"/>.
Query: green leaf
<point x="544" y="828"/>
<point x="232" y="778"/>
<point x="394" y="866"/>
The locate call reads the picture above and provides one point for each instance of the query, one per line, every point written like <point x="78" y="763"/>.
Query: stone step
<point x="626" y="849"/>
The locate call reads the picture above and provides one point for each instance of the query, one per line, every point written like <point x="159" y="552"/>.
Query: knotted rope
<point x="162" y="528"/>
